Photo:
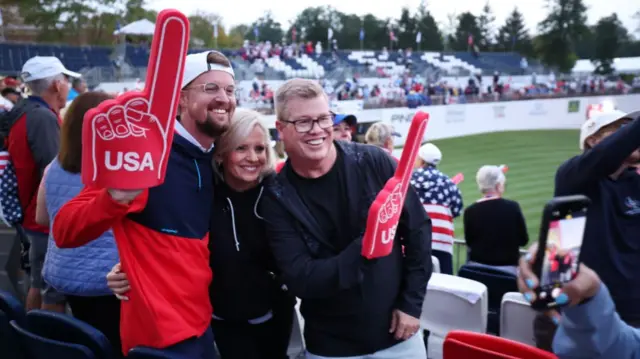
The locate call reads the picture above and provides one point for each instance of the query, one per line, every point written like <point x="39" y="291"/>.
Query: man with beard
<point x="162" y="232"/>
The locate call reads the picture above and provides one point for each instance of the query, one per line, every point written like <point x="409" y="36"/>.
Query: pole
<point x="361" y="32"/>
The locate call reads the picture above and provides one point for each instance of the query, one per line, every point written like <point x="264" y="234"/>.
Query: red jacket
<point x="33" y="142"/>
<point x="162" y="239"/>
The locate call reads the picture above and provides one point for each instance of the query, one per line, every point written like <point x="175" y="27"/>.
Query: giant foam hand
<point x="457" y="179"/>
<point x="384" y="213"/>
<point x="126" y="141"/>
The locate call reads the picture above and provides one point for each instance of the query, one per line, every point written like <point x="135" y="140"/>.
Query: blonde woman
<point x="381" y="134"/>
<point x="252" y="313"/>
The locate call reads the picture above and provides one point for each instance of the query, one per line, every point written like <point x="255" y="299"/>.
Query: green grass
<point x="532" y="157"/>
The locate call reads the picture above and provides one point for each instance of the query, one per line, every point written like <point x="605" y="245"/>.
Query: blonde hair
<point x="295" y="88"/>
<point x="488" y="177"/>
<point x="378" y="134"/>
<point x="242" y="123"/>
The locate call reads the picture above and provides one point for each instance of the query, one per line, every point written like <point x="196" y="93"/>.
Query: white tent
<point x="140" y="27"/>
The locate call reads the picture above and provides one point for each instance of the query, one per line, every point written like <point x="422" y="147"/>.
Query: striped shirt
<point x="442" y="200"/>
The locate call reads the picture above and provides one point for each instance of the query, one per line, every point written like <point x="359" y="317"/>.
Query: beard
<point x="212" y="129"/>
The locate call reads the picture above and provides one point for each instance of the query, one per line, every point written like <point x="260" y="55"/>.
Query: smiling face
<point x="342" y="131"/>
<point x="244" y="164"/>
<point x="209" y="102"/>
<point x="313" y="145"/>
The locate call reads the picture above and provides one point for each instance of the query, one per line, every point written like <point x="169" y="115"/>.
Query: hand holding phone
<point x="556" y="259"/>
<point x="584" y="286"/>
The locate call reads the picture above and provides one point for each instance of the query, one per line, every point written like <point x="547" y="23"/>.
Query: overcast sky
<point x="235" y="12"/>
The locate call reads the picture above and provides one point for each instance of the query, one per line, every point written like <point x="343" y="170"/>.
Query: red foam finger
<point x="166" y="66"/>
<point x="116" y="117"/>
<point x="411" y="146"/>
<point x="382" y="221"/>
<point x="137" y="110"/>
<point x="457" y="179"/>
<point x="128" y="139"/>
<point x="103" y="127"/>
<point x="384" y="213"/>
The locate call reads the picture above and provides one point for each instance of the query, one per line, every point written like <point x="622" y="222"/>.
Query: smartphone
<point x="561" y="233"/>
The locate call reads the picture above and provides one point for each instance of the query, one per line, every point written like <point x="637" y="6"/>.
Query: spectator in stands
<point x="9" y="98"/>
<point x="381" y="135"/>
<point x="78" y="273"/>
<point x="442" y="200"/>
<point x="343" y="126"/>
<point x="494" y="227"/>
<point x="163" y="312"/>
<point x="33" y="143"/>
<point x="315" y="211"/>
<point x="589" y="327"/>
<point x="252" y="314"/>
<point x="605" y="172"/>
<point x="78" y="87"/>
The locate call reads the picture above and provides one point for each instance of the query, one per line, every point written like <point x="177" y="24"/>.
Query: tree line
<point x="562" y="37"/>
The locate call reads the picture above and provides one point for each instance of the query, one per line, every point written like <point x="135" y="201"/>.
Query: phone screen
<point x="560" y="263"/>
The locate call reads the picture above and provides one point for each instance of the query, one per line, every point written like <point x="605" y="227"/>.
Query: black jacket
<point x="245" y="283"/>
<point x="347" y="300"/>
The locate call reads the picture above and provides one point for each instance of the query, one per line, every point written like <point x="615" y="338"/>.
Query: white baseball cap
<point x="598" y="121"/>
<point x="41" y="67"/>
<point x="430" y="153"/>
<point x="197" y="64"/>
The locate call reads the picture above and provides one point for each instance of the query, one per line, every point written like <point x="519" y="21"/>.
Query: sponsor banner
<point x="573" y="106"/>
<point x="455" y="113"/>
<point x="538" y="109"/>
<point x="499" y="111"/>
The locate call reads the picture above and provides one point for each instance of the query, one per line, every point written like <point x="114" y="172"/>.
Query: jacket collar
<point x="284" y="191"/>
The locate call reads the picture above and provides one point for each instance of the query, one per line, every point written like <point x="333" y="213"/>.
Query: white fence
<point x="471" y="119"/>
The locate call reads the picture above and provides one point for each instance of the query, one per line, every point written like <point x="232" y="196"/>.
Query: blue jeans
<point x="201" y="347"/>
<point x="412" y="348"/>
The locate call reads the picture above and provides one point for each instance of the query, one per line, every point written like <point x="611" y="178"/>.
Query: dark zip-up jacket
<point x="611" y="244"/>
<point x="246" y="285"/>
<point x="347" y="300"/>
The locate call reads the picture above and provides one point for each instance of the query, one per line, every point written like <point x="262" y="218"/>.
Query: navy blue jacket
<point x="611" y="244"/>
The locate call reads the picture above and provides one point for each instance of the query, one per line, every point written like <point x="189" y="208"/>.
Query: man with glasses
<point x="163" y="232"/>
<point x="316" y="210"/>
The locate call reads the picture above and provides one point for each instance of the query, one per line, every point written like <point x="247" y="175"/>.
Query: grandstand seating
<point x="10" y="310"/>
<point x="77" y="58"/>
<point x="498" y="283"/>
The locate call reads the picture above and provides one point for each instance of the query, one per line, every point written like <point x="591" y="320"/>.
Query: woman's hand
<point x="118" y="283"/>
<point x="584" y="286"/>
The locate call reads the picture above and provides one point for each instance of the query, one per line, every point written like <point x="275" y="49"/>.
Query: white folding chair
<point x="436" y="264"/>
<point x="452" y="303"/>
<point x="516" y="318"/>
<point x="296" y="348"/>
